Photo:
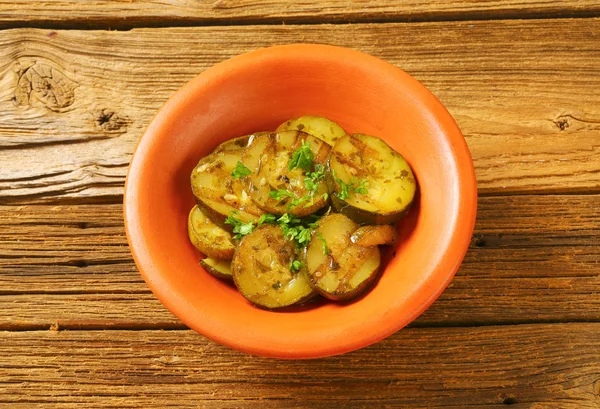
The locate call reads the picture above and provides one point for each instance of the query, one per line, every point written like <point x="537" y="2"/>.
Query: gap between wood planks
<point x="115" y="23"/>
<point x="43" y="200"/>
<point x="57" y="326"/>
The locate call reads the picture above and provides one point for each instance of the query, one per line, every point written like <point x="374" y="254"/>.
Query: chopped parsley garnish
<point x="302" y="158"/>
<point x="240" y="228"/>
<point x="240" y="171"/>
<point x="299" y="233"/>
<point x="303" y="236"/>
<point x="295" y="265"/>
<point x="312" y="179"/>
<point x="298" y="202"/>
<point x="288" y="219"/>
<point x="344" y="192"/>
<point x="354" y="186"/>
<point x="311" y="220"/>
<point x="325" y="248"/>
<point x="280" y="194"/>
<point x="362" y="187"/>
<point x="297" y="229"/>
<point x="311" y="182"/>
<point x="294" y="228"/>
<point x="266" y="218"/>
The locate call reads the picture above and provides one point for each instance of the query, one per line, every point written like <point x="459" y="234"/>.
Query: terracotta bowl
<point x="258" y="91"/>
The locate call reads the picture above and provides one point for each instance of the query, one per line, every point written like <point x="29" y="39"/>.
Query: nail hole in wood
<point x="509" y="400"/>
<point x="81" y="263"/>
<point x="478" y="241"/>
<point x="486" y="240"/>
<point x="562" y="124"/>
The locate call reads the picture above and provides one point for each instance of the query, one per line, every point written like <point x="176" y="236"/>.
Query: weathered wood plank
<point x="85" y="311"/>
<point x="525" y="94"/>
<point x="127" y="14"/>
<point x="528" y="252"/>
<point x="533" y="366"/>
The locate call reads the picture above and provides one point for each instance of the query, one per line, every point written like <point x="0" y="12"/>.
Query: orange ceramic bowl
<point x="258" y="91"/>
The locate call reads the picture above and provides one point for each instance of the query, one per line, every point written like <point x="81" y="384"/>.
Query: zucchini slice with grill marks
<point x="268" y="158"/>
<point x="263" y="272"/>
<point x="218" y="268"/>
<point x="216" y="191"/>
<point x="369" y="181"/>
<point x="318" y="126"/>
<point x="339" y="269"/>
<point x="210" y="239"/>
<point x="375" y="235"/>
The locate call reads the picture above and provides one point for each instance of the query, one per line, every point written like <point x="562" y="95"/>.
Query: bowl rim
<point x="462" y="233"/>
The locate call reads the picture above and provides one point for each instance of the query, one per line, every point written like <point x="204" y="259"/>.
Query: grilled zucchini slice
<point x="268" y="157"/>
<point x="210" y="239"/>
<point x="339" y="269"/>
<point x="318" y="126"/>
<point x="369" y="181"/>
<point x="218" y="268"/>
<point x="236" y="143"/>
<point x="216" y="191"/>
<point x="375" y="235"/>
<point x="262" y="269"/>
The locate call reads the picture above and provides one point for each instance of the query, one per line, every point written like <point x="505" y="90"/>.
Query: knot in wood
<point x="109" y="120"/>
<point x="46" y="84"/>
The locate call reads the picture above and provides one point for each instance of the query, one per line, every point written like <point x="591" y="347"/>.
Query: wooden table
<point x="520" y="323"/>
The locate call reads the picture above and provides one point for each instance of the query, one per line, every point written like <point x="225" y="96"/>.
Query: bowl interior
<point x="258" y="91"/>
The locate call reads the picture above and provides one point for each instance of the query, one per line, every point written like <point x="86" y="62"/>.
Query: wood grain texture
<point x="70" y="265"/>
<point x="127" y="13"/>
<point x="532" y="366"/>
<point x="525" y="94"/>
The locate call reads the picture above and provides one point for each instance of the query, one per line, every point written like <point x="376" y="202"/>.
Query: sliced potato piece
<point x="338" y="268"/>
<point x="217" y="268"/>
<point x="267" y="157"/>
<point x="210" y="239"/>
<point x="216" y="191"/>
<point x="375" y="235"/>
<point x="369" y="181"/>
<point x="262" y="273"/>
<point x="318" y="126"/>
